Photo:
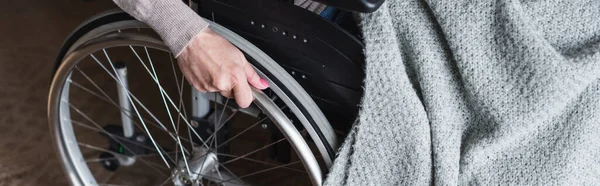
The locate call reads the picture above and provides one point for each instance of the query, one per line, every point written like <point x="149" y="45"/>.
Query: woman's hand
<point x="212" y="64"/>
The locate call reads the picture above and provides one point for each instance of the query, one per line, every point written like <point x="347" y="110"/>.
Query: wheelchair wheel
<point x="122" y="114"/>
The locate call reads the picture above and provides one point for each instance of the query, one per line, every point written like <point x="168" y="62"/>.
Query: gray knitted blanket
<point x="469" y="92"/>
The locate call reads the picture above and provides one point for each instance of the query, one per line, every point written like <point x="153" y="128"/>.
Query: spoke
<point x="98" y="126"/>
<point x="107" y="151"/>
<point x="111" y="158"/>
<point x="179" y="86"/>
<point x="129" y="92"/>
<point x="93" y="83"/>
<point x="107" y="99"/>
<point x="215" y="130"/>
<point x="211" y="136"/>
<point x="218" y="165"/>
<point x="229" y="171"/>
<point x="217" y="126"/>
<point x="247" y="154"/>
<point x="181" y="102"/>
<point x="169" y="99"/>
<point x="218" y="123"/>
<point x="212" y="177"/>
<point x="245" y="130"/>
<point x="134" y="97"/>
<point x="215" y="178"/>
<point x="218" y="172"/>
<point x="112" y="175"/>
<point x="258" y="161"/>
<point x="202" y="165"/>
<point x="131" y="96"/>
<point x="177" y="151"/>
<point x="167" y="108"/>
<point x="99" y="159"/>
<point x="261" y="171"/>
<point x="166" y="181"/>
<point x="112" y="135"/>
<point x="133" y="105"/>
<point x="180" y="91"/>
<point x="214" y="134"/>
<point x="94" y="147"/>
<point x="122" y="109"/>
<point x="184" y="113"/>
<point x="190" y="136"/>
<point x="264" y="170"/>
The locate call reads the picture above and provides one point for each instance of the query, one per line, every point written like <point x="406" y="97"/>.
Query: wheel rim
<point x="317" y="122"/>
<point x="57" y="106"/>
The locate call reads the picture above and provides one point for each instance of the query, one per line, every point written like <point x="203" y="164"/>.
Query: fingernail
<point x="264" y="82"/>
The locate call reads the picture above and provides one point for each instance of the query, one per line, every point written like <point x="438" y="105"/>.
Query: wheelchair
<point x="121" y="113"/>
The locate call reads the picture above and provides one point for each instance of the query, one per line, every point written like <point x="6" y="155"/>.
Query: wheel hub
<point x="200" y="163"/>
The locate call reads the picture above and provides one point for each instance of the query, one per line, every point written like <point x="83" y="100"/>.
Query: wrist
<point x="196" y="38"/>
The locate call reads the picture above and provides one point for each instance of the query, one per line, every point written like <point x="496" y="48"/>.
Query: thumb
<point x="254" y="79"/>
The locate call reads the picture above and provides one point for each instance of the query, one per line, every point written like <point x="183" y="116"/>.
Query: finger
<point x="242" y="92"/>
<point x="227" y="93"/>
<point x="198" y="87"/>
<point x="211" y="89"/>
<point x="253" y="78"/>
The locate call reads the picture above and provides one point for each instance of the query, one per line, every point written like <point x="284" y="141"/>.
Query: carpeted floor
<point x="31" y="33"/>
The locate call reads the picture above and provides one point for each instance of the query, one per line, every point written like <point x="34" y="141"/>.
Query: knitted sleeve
<point x="175" y="22"/>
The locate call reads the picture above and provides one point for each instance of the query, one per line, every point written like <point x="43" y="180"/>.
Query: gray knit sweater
<point x="468" y="92"/>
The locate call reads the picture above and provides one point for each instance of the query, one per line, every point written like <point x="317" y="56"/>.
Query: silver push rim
<point x="82" y="47"/>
